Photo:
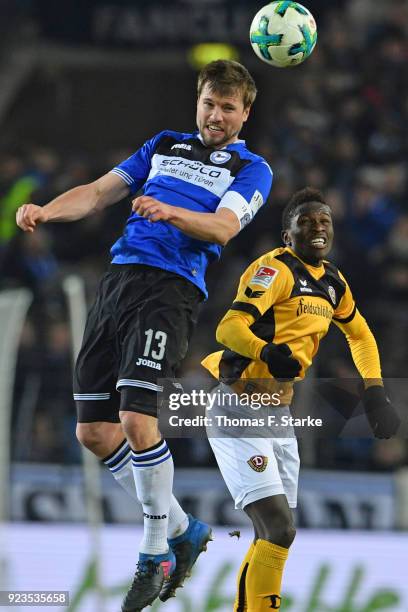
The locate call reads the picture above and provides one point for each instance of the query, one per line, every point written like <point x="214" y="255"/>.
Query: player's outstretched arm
<point x="218" y="227"/>
<point x="381" y="414"/>
<point x="74" y="204"/>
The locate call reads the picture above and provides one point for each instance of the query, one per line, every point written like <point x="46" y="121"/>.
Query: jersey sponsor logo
<point x="212" y="178"/>
<point x="180" y="145"/>
<point x="318" y="310"/>
<point x="258" y="463"/>
<point x="253" y="294"/>
<point x="275" y="601"/>
<point x="192" y="165"/>
<point x="148" y="363"/>
<point x="332" y="293"/>
<point x="264" y="276"/>
<point x="220" y="157"/>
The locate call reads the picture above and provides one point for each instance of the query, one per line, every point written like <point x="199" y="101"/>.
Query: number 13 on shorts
<point x="155" y="345"/>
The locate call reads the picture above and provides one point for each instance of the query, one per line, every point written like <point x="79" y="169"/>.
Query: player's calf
<point x="272" y="520"/>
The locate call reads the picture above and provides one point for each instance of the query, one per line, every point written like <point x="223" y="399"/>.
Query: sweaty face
<point x="311" y="232"/>
<point x="220" y="118"/>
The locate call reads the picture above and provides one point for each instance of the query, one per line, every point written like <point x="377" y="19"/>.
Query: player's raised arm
<point x="74" y="204"/>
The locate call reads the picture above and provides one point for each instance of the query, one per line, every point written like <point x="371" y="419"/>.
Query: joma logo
<point x="148" y="363"/>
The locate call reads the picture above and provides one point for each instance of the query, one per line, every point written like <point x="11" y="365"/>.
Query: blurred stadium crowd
<point x="340" y="124"/>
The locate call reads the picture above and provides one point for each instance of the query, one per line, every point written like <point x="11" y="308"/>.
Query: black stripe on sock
<point x="241" y="590"/>
<point x="122" y="444"/>
<point x="146" y="450"/>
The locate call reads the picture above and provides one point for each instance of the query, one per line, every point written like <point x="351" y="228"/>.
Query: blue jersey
<point x="179" y="169"/>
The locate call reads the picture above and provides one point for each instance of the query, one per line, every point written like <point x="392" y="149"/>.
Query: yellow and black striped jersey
<point x="282" y="299"/>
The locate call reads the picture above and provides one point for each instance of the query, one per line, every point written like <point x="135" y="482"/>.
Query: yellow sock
<point x="240" y="604"/>
<point x="264" y="577"/>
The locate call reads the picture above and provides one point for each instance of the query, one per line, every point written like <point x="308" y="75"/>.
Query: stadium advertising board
<point x="332" y="500"/>
<point x="326" y="571"/>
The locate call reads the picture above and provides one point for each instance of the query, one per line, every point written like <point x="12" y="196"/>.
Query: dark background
<point x="83" y="84"/>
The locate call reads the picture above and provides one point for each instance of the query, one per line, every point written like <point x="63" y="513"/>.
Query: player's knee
<point x="140" y="429"/>
<point x="288" y="535"/>
<point x="92" y="436"/>
<point x="282" y="533"/>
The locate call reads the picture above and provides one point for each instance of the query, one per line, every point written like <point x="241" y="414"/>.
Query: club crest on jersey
<point x="264" y="276"/>
<point x="258" y="463"/>
<point x="332" y="294"/>
<point x="220" y="157"/>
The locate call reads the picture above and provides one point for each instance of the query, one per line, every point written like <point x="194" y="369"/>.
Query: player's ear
<point x="286" y="238"/>
<point x="246" y="113"/>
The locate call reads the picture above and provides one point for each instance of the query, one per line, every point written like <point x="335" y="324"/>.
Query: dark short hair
<point x="308" y="194"/>
<point x="226" y="76"/>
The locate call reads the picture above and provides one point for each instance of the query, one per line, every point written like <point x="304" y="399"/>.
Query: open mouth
<point x="215" y="129"/>
<point x="319" y="243"/>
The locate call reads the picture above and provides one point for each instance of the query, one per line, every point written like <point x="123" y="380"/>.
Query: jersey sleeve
<point x="346" y="309"/>
<point x="262" y="285"/>
<point x="135" y="169"/>
<point x="248" y="192"/>
<point x="360" y="339"/>
<point x="363" y="348"/>
<point x="265" y="282"/>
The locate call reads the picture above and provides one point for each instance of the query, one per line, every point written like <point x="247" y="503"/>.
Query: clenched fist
<point x="29" y="216"/>
<point x="152" y="209"/>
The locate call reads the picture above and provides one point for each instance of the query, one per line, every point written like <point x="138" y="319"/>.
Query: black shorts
<point x="137" y="331"/>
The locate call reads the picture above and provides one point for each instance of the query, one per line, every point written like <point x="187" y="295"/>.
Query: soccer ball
<point x="283" y="34"/>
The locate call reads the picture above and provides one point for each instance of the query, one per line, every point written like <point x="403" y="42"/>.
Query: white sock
<point x="120" y="466"/>
<point x="178" y="520"/>
<point x="153" y="471"/>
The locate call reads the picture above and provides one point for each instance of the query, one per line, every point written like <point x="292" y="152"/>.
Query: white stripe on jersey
<point x="268" y="166"/>
<point x="123" y="175"/>
<point x="212" y="178"/>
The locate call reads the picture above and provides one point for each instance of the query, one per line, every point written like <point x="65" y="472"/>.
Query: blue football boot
<point x="186" y="549"/>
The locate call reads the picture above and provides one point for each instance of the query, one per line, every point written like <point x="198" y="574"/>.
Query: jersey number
<point x="158" y="351"/>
